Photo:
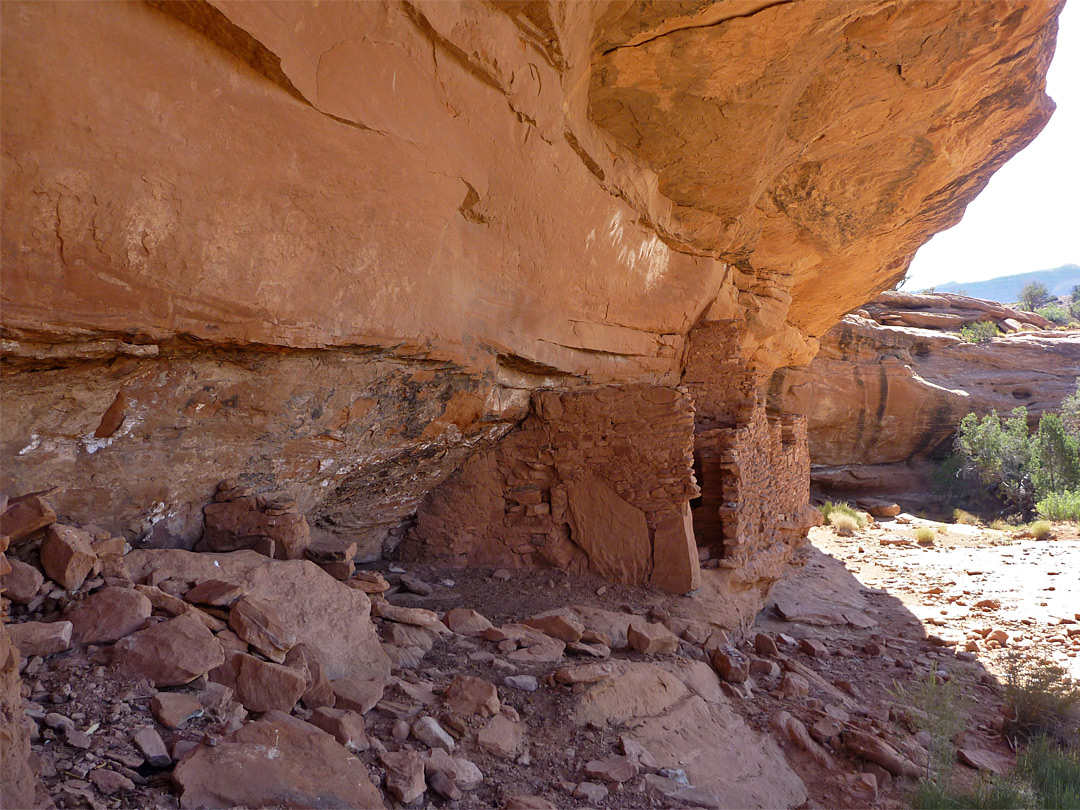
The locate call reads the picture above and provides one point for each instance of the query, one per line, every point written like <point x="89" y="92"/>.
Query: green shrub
<point x="948" y="478"/>
<point x="1056" y="457"/>
<point x="998" y="453"/>
<point x="979" y="332"/>
<point x="924" y="535"/>
<point x="1070" y="412"/>
<point x="1052" y="772"/>
<point x="1044" y="700"/>
<point x="1018" y="468"/>
<point x="1034" y="295"/>
<point x="1053" y="312"/>
<point x="1060" y="506"/>
<point x="1046" y="777"/>
<point x="1041" y="529"/>
<point x="939" y="709"/>
<point x="998" y="794"/>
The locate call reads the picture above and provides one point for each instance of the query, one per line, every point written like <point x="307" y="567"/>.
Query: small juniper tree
<point x="1034" y="295"/>
<point x="998" y="453"/>
<point x="1056" y="458"/>
<point x="1070" y="412"/>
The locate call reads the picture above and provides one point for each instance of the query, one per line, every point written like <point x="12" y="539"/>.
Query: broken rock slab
<point x="676" y="568"/>
<point x="276" y="761"/>
<point x="21" y="583"/>
<point x="214" y="592"/>
<point x="466" y="622"/>
<point x="170" y="653"/>
<point x="650" y="638"/>
<point x="358" y="694"/>
<point x="501" y="737"/>
<point x="262" y="686"/>
<point x="468" y="695"/>
<point x="597" y="514"/>
<point x="67" y="555"/>
<point x="319" y="691"/>
<point x="26" y="516"/>
<point x="40" y="638"/>
<point x="874" y="749"/>
<point x="347" y="727"/>
<point x="329" y="617"/>
<point x="108" y="615"/>
<point x="173" y="709"/>
<point x="259" y="624"/>
<point x="463" y="772"/>
<point x="680" y="718"/>
<point x="558" y="626"/>
<point x="404" y="775"/>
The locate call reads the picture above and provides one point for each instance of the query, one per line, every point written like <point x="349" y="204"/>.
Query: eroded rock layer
<point x="891" y="384"/>
<point x="333" y="248"/>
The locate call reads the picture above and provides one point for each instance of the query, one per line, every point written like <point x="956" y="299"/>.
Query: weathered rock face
<point x="882" y="392"/>
<point x="17" y="781"/>
<point x="333" y="248"/>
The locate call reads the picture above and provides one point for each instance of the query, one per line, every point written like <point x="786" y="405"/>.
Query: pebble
<point x="523" y="683"/>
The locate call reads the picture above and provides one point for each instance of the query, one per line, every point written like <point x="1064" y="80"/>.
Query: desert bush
<point x="1070" y="412"/>
<point x="1046" y="777"/>
<point x="828" y="509"/>
<point x="1053" y="773"/>
<point x="939" y="710"/>
<point x="960" y="516"/>
<point x="1060" y="506"/>
<point x="1056" y="456"/>
<point x="1034" y="295"/>
<point x="998" y="453"/>
<point x="1001" y="525"/>
<point x="979" y="332"/>
<point x="997" y="794"/>
<point x="1044" y="700"/>
<point x="924" y="535"/>
<point x="1054" y="313"/>
<point x="1018" y="468"/>
<point x="1041" y="529"/>
<point x="948" y="478"/>
<point x="843" y="524"/>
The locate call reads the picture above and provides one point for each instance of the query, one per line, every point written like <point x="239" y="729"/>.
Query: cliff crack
<point x="710" y="22"/>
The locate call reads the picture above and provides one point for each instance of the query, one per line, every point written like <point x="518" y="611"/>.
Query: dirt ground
<point x="889" y="613"/>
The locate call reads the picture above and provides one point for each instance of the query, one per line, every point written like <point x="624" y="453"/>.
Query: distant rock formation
<point x="892" y="383"/>
<point x="1059" y="281"/>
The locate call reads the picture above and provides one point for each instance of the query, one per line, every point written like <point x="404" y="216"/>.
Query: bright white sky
<point x="1028" y="216"/>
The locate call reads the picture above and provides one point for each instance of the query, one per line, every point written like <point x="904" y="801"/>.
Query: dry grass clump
<point x="843" y="525"/>
<point x="924" y="536"/>
<point x="1041" y="529"/>
<point x="1043" y="698"/>
<point x="960" y="516"/>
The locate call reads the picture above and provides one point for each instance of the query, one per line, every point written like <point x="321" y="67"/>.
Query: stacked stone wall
<point x="591" y="480"/>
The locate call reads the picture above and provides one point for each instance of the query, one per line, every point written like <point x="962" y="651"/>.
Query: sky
<point x="1028" y="216"/>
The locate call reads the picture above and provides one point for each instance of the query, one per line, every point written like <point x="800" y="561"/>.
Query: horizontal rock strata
<point x="331" y="249"/>
<point x="886" y="391"/>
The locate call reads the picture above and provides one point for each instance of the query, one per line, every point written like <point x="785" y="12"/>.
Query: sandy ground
<point x="1036" y="584"/>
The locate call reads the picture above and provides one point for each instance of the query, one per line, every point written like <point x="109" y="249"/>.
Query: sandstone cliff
<point x="333" y="248"/>
<point x="892" y="384"/>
